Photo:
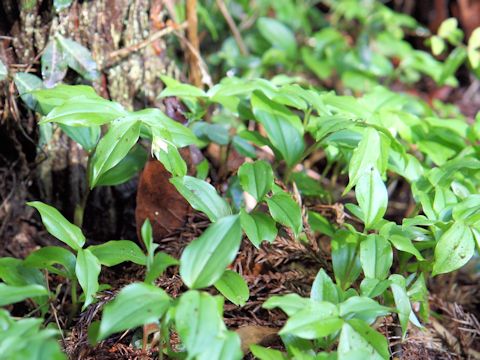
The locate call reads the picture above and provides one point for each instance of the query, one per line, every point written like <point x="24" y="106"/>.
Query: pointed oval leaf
<point x="13" y="294"/>
<point x="323" y="288"/>
<point x="258" y="227"/>
<point x="233" y="286"/>
<point x="360" y="341"/>
<point x="202" y="197"/>
<point x="160" y="262"/>
<point x="58" y="226"/>
<point x="45" y="257"/>
<point x="135" y="305"/>
<point x="113" y="147"/>
<point x="87" y="270"/>
<point x="54" y="64"/>
<point x="78" y="58"/>
<point x="372" y="197"/>
<point x="286" y="211"/>
<point x="256" y="178"/>
<point x="114" y="252"/>
<point x="454" y="248"/>
<point x="278" y="34"/>
<point x="376" y="257"/>
<point x="204" y="260"/>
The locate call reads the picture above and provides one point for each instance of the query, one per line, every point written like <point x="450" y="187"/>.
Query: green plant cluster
<point x="375" y="140"/>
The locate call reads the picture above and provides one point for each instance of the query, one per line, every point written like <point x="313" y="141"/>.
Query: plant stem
<point x="80" y="209"/>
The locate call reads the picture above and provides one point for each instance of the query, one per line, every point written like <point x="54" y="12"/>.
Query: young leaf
<point x="364" y="157"/>
<point x="78" y="58"/>
<point x="115" y="252"/>
<point x="372" y="197"/>
<point x="54" y="64"/>
<point x="454" y="248"/>
<point x="256" y="178"/>
<point x="258" y="227"/>
<point x="317" y="320"/>
<point x="46" y="257"/>
<point x="233" y="287"/>
<point x="376" y="257"/>
<point x="113" y="147"/>
<point x="58" y="226"/>
<point x="160" y="262"/>
<point x="87" y="270"/>
<point x="360" y="341"/>
<point x="202" y="196"/>
<point x="198" y="321"/>
<point x="286" y="211"/>
<point x="278" y="35"/>
<point x="323" y="288"/>
<point x="135" y="305"/>
<point x="204" y="260"/>
<point x="284" y="129"/>
<point x="13" y="294"/>
<point x="147" y="238"/>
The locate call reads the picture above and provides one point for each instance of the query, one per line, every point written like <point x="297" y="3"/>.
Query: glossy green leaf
<point x="376" y="257"/>
<point x="360" y="341"/>
<point x="454" y="248"/>
<point x="290" y="303"/>
<point x="286" y="211"/>
<point x="372" y="197"/>
<point x="46" y="257"/>
<point x="373" y="287"/>
<point x="204" y="260"/>
<point x="226" y="345"/>
<point x="233" y="287"/>
<point x="402" y="302"/>
<point x="87" y="270"/>
<point x="361" y="307"/>
<point x="345" y="258"/>
<point x="15" y="272"/>
<point x="160" y="263"/>
<point x="147" y="238"/>
<point x="263" y="353"/>
<point x="78" y="58"/>
<point x="113" y="147"/>
<point x="283" y="128"/>
<point x="169" y="156"/>
<point x="202" y="197"/>
<point x="323" y="288"/>
<point x="60" y="94"/>
<point x="258" y="227"/>
<point x="12" y="294"/>
<point x="317" y="320"/>
<point x="176" y="88"/>
<point x="87" y="137"/>
<point x="256" y="178"/>
<point x="115" y="252"/>
<point x="126" y="169"/>
<point x="403" y="243"/>
<point x="278" y="34"/>
<point x="198" y="321"/>
<point x="58" y="226"/>
<point x="135" y="305"/>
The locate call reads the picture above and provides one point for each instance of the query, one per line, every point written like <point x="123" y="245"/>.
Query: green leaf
<point x="402" y="301"/>
<point x="290" y="303"/>
<point x="266" y="354"/>
<point x="113" y="147"/>
<point x="376" y="257"/>
<point x="256" y="178"/>
<point x="15" y="272"/>
<point x="345" y="259"/>
<point x="204" y="260"/>
<point x="233" y="287"/>
<point x="283" y="128"/>
<point x="323" y="288"/>
<point x="198" y="321"/>
<point x="147" y="238"/>
<point x="78" y="58"/>
<point x="438" y="45"/>
<point x="169" y="156"/>
<point x="286" y="211"/>
<point x="317" y="320"/>
<point x="453" y="62"/>
<point x="373" y="287"/>
<point x="87" y="137"/>
<point x="135" y="305"/>
<point x="46" y="257"/>
<point x="361" y="307"/>
<point x="115" y="252"/>
<point x="258" y="227"/>
<point x="372" y="197"/>
<point x="226" y="345"/>
<point x="454" y="248"/>
<point x="54" y="64"/>
<point x="277" y="34"/>
<point x="474" y="48"/>
<point x="126" y="169"/>
<point x="365" y="156"/>
<point x="26" y="83"/>
<point x="359" y="341"/>
<point x="202" y="197"/>
<point x="87" y="270"/>
<point x="176" y="88"/>
<point x="13" y="294"/>
<point x="160" y="262"/>
<point x="403" y="243"/>
<point x="58" y="226"/>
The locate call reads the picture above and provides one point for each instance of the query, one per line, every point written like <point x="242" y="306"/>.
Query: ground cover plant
<point x="318" y="193"/>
